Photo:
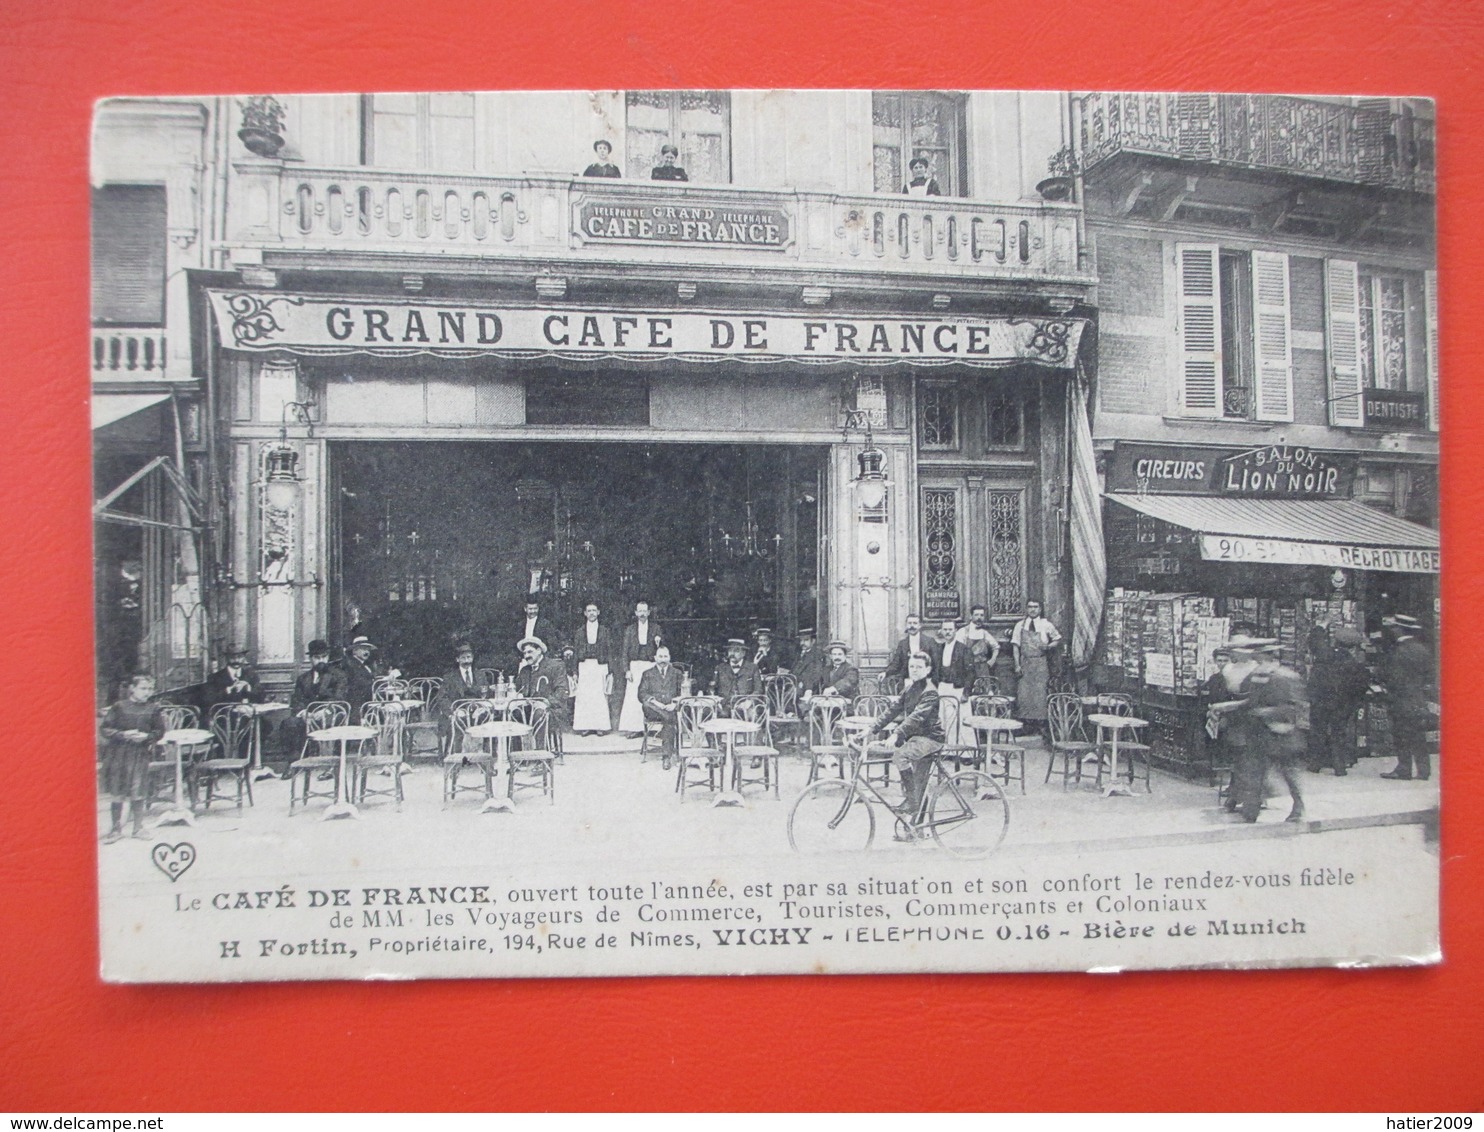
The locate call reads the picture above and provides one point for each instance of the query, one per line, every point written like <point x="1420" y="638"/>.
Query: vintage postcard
<point x="790" y="531"/>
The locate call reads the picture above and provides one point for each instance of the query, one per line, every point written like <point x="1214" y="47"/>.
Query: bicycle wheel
<point x="969" y="814"/>
<point x="831" y="816"/>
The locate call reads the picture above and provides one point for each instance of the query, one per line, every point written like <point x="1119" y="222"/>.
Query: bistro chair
<point x="758" y="753"/>
<point x="420" y="729"/>
<point x="322" y="763"/>
<point x="781" y="692"/>
<point x="694" y="751"/>
<point x="489" y="677"/>
<point x="230" y="755"/>
<point x="530" y="761"/>
<point x="826" y="733"/>
<point x="890" y="686"/>
<point x="871" y="685"/>
<point x="465" y="751"/>
<point x="1132" y="747"/>
<point x="159" y="780"/>
<point x="383" y="754"/>
<point x="1067" y="732"/>
<point x="875" y="705"/>
<point x="389" y="688"/>
<point x="971" y="754"/>
<point x="984" y="686"/>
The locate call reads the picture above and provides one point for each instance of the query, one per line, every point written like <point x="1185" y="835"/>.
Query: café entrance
<point x="433" y="539"/>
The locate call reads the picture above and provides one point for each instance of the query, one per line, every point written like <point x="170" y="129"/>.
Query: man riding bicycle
<point x="916" y="733"/>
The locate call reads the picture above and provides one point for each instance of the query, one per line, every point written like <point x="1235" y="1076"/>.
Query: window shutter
<point x="1199" y="329"/>
<point x="1274" y="340"/>
<point x="1342" y="334"/>
<point x="1430" y="309"/>
<point x="129" y="246"/>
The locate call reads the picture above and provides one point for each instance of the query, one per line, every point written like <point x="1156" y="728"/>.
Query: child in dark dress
<point x="130" y="729"/>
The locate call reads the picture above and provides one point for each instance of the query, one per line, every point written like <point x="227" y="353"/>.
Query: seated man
<point x="809" y="663"/>
<point x="917" y="734"/>
<point x="659" y="688"/>
<point x="544" y="678"/>
<point x="765" y="660"/>
<point x="234" y="683"/>
<point x="737" y="676"/>
<point x="461" y="682"/>
<point x="320" y="683"/>
<point x="841" y="679"/>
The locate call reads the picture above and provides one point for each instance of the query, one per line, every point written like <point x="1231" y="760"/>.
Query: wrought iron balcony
<point x="292" y="208"/>
<point x="1309" y="137"/>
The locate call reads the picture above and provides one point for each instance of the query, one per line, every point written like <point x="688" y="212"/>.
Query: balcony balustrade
<point x="124" y="353"/>
<point x="384" y="212"/>
<point x="1331" y="140"/>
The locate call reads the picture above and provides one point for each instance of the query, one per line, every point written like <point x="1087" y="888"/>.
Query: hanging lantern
<point x="281" y="477"/>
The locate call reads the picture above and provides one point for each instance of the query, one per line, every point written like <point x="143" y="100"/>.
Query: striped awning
<point x="1311" y="532"/>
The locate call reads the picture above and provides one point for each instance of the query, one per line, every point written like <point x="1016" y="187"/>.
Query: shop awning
<point x="1338" y="533"/>
<point x="110" y="407"/>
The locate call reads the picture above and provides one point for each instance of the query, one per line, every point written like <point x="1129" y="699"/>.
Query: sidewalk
<point x="613" y="812"/>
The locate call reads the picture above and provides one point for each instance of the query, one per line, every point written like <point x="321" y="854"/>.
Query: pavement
<point x="610" y="810"/>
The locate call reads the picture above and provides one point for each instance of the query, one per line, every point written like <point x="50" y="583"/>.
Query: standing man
<point x="603" y="166"/>
<point x="667" y="169"/>
<point x="984" y="650"/>
<point x="918" y="735"/>
<point x="810" y="663"/>
<point x="541" y="677"/>
<point x="640" y="639"/>
<point x="765" y="660"/>
<point x="1032" y="641"/>
<point x="537" y="624"/>
<point x="1411" y="692"/>
<point x="912" y="642"/>
<point x="1337" y="686"/>
<point x="659" y="688"/>
<point x="952" y="670"/>
<point x="1276" y="702"/>
<point x="736" y="676"/>
<point x="592" y="652"/>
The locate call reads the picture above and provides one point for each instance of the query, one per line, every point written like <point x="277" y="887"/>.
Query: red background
<point x="1385" y="1039"/>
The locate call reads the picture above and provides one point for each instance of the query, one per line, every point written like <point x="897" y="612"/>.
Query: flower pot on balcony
<point x="1056" y="189"/>
<point x="262" y="142"/>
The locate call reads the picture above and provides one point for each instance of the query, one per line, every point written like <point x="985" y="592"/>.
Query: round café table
<point x="1116" y="724"/>
<point x="990" y="726"/>
<point x="180" y="738"/>
<point x="255" y="734"/>
<point x="501" y="731"/>
<point x="342" y="807"/>
<point x="730" y="728"/>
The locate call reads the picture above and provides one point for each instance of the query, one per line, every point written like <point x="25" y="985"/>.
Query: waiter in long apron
<point x="593" y="653"/>
<point x="640" y="638"/>
<point x="1033" y="639"/>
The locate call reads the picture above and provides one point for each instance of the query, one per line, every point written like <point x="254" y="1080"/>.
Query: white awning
<point x="110" y="407"/>
<point x="1339" y="533"/>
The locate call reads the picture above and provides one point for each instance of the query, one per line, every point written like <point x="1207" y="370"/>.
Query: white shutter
<point x="1342" y="337"/>
<point x="1430" y="309"/>
<point x="1199" y="328"/>
<point x="1273" y="336"/>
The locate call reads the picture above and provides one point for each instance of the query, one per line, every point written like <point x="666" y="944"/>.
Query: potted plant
<point x="1063" y="169"/>
<point x="262" y="125"/>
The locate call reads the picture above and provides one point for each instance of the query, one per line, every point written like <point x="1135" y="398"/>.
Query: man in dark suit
<point x="236" y="682"/>
<point x="913" y="641"/>
<point x="764" y="659"/>
<point x="641" y="637"/>
<point x="322" y="682"/>
<point x="362" y="670"/>
<point x="535" y="623"/>
<point x="1411" y="691"/>
<point x="659" y="688"/>
<point x="917" y="735"/>
<point x="545" y="678"/>
<point x="809" y="663"/>
<point x="461" y="682"/>
<point x="736" y="675"/>
<point x="954" y="668"/>
<point x="842" y="678"/>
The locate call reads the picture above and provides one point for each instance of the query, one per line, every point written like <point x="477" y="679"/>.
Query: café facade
<point x="787" y="395"/>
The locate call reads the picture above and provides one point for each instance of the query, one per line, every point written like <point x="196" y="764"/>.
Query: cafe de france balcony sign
<point x="314" y="324"/>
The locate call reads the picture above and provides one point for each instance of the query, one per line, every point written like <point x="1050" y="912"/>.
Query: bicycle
<point x="965" y="812"/>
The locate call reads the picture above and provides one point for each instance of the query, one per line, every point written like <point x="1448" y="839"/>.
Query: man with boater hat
<point x="1411" y="692"/>
<point x="765" y="660"/>
<point x="361" y="671"/>
<point x="1275" y="702"/>
<point x="842" y="679"/>
<point x="541" y="677"/>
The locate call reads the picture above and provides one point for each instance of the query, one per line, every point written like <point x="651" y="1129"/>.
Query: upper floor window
<point x="129" y="243"/>
<point x="937" y="416"/>
<point x="1383" y="331"/>
<point x="1235" y="334"/>
<point x="908" y="124"/>
<point x="697" y="122"/>
<point x="418" y="131"/>
<point x="1381" y="334"/>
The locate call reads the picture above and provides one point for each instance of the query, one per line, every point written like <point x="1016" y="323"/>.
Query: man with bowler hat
<point x="1411" y="691"/>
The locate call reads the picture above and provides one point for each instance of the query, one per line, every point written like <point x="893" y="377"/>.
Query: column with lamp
<point x="280" y="507"/>
<point x="870" y="574"/>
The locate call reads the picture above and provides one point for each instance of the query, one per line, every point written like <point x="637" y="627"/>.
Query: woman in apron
<point x="592" y="651"/>
<point x="1032" y="640"/>
<point x="640" y="639"/>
